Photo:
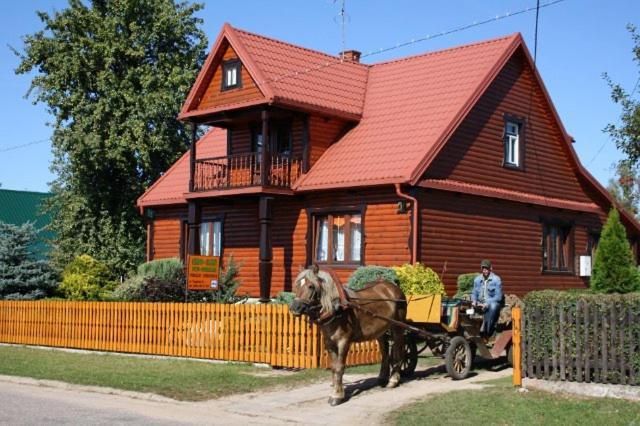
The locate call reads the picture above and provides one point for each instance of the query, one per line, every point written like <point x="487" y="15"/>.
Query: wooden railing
<point x="244" y="170"/>
<point x="253" y="333"/>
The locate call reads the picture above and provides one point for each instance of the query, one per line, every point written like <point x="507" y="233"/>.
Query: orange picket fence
<point x="252" y="333"/>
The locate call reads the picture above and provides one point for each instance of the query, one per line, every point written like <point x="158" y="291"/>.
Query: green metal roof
<point x="18" y="207"/>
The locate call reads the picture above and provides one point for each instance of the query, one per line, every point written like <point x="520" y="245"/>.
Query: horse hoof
<point x="392" y="384"/>
<point x="335" y="401"/>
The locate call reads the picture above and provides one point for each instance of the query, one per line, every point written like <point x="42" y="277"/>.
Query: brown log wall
<point x="214" y="97"/>
<point x="322" y="133"/>
<point x="386" y="233"/>
<point x="241" y="137"/>
<point x="461" y="230"/>
<point x="475" y="152"/>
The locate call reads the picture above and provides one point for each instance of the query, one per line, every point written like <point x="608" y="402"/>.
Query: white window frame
<point x="231" y="75"/>
<point x="512" y="143"/>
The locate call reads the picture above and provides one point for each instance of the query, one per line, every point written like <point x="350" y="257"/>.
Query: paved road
<point x="27" y="402"/>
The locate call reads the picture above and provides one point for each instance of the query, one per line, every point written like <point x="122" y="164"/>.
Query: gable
<point x="214" y="96"/>
<point x="475" y="153"/>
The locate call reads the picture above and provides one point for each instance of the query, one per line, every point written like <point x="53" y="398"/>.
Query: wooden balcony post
<point x="192" y="157"/>
<point x="194" y="219"/>
<point x="265" y="214"/>
<point x="265" y="161"/>
<point x="305" y="143"/>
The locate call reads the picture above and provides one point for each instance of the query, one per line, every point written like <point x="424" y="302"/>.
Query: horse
<point x="360" y="316"/>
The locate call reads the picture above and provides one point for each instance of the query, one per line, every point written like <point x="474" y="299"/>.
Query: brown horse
<point x="363" y="317"/>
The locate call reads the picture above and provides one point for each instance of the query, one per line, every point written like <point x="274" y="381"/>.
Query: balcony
<point x="245" y="170"/>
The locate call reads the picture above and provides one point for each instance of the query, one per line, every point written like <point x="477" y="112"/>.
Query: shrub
<point x="22" y="276"/>
<point x="465" y="284"/>
<point x="418" y="279"/>
<point x="86" y="278"/>
<point x="284" y="298"/>
<point x="614" y="269"/>
<point x="551" y="315"/>
<point x="129" y="290"/>
<point x="163" y="269"/>
<point x="369" y="274"/>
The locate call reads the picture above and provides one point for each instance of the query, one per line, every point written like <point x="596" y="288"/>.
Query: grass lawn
<point x="502" y="404"/>
<point x="179" y="379"/>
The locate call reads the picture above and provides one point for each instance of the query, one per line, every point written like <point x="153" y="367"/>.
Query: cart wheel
<point x="410" y="360"/>
<point x="458" y="358"/>
<point x="510" y="354"/>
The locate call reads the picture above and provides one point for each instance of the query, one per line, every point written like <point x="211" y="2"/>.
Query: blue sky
<point x="578" y="40"/>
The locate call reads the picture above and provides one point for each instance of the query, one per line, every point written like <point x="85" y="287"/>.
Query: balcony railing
<point x="245" y="170"/>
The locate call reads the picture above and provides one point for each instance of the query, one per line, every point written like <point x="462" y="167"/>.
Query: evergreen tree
<point x="21" y="275"/>
<point x="614" y="269"/>
<point x="113" y="74"/>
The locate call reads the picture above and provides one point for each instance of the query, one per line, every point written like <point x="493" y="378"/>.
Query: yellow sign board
<point x="203" y="272"/>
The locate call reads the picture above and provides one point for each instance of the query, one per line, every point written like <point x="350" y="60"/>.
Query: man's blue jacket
<point x="494" y="289"/>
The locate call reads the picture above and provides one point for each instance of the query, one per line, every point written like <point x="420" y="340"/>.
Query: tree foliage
<point x="614" y="269"/>
<point x="86" y="278"/>
<point x="626" y="135"/>
<point x="625" y="188"/>
<point x="21" y="275"/>
<point x="113" y="74"/>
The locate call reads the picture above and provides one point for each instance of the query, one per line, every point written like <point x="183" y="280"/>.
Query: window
<point x="593" y="239"/>
<point x="338" y="238"/>
<point x="231" y="77"/>
<point x="557" y="250"/>
<point x="513" y="146"/>
<point x="210" y="238"/>
<point x="280" y="140"/>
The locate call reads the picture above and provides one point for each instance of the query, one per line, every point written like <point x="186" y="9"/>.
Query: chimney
<point x="350" y="55"/>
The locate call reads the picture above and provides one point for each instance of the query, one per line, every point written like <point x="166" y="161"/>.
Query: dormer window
<point x="231" y="78"/>
<point x="513" y="143"/>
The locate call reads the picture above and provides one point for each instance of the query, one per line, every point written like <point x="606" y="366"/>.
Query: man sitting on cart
<point x="487" y="293"/>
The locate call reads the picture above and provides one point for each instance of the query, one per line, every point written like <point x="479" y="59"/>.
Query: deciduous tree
<point x="113" y="74"/>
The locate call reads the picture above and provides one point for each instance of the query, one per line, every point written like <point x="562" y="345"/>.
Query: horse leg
<point x="337" y="365"/>
<point x="397" y="354"/>
<point x="383" y="343"/>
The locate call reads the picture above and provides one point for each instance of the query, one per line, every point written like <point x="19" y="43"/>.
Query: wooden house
<point x="444" y="158"/>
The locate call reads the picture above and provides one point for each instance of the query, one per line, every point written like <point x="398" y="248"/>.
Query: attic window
<point x="231" y="78"/>
<point x="513" y="143"/>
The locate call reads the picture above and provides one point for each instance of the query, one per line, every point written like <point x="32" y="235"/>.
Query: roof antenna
<point x="535" y="40"/>
<point x="343" y="17"/>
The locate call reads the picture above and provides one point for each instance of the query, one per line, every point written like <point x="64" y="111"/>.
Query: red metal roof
<point x="171" y="186"/>
<point x="506" y="194"/>
<point x="288" y="75"/>
<point x="409" y="107"/>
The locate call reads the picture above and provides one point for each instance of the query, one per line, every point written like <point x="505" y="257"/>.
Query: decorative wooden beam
<point x="305" y="143"/>
<point x="194" y="219"/>
<point x="265" y="215"/>
<point x="265" y="157"/>
<point x="192" y="157"/>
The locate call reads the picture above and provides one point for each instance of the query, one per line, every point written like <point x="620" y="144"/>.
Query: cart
<point x="451" y="329"/>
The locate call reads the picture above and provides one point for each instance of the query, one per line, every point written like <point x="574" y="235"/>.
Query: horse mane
<point x="329" y="292"/>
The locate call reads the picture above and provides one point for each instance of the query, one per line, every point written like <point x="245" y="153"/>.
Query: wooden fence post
<point x="515" y="345"/>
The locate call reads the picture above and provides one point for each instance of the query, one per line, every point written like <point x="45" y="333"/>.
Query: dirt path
<point x="368" y="403"/>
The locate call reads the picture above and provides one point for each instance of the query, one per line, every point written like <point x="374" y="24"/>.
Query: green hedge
<point x="588" y="328"/>
<point x="369" y="274"/>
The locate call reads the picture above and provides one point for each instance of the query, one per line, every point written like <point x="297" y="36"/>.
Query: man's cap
<point x="485" y="264"/>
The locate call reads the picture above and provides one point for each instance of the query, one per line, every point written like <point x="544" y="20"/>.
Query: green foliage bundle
<point x="369" y="274"/>
<point x="550" y="315"/>
<point x="465" y="284"/>
<point x="284" y="298"/>
<point x="113" y="74"/>
<point x="86" y="278"/>
<point x="418" y="279"/>
<point x="22" y="276"/>
<point x="614" y="269"/>
<point x="161" y="280"/>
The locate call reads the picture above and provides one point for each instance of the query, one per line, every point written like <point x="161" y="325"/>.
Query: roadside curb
<point x="598" y="390"/>
<point x="19" y="380"/>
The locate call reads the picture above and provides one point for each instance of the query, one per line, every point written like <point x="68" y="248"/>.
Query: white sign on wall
<point x="585" y="266"/>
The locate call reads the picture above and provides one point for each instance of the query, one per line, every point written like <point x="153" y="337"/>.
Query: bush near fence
<point x="252" y="333"/>
<point x="581" y="337"/>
